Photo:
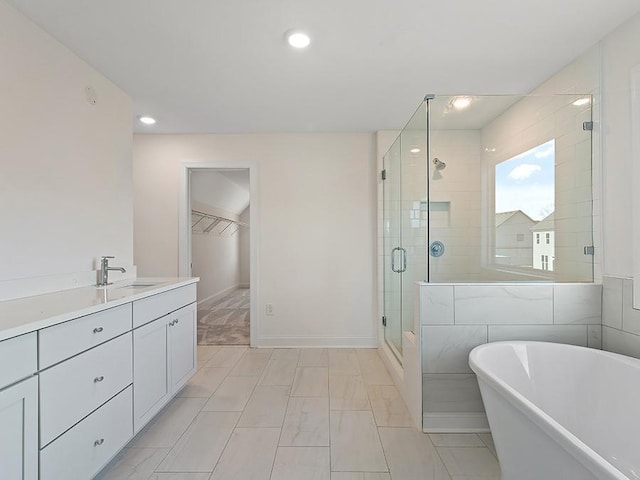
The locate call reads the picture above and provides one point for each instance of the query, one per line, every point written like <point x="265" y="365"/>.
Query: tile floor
<point x="296" y="414"/>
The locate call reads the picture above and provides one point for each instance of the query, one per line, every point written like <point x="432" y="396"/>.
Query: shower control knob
<point x="436" y="248"/>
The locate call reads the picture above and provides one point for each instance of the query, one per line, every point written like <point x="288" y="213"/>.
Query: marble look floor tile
<point x="226" y="357"/>
<point x="314" y="357"/>
<point x="306" y="423"/>
<point x="232" y="395"/>
<point x="343" y="362"/>
<point x="411" y="455"/>
<point x="279" y="371"/>
<point x="373" y="370"/>
<point x="169" y="425"/>
<point x="487" y="439"/>
<point x="348" y="393"/>
<point x="252" y="364"/>
<point x="200" y="447"/>
<point x="266" y="407"/>
<point x="288" y="353"/>
<point x="360" y="476"/>
<point x="469" y="461"/>
<point x="311" y="382"/>
<point x="204" y="383"/>
<point x="205" y="352"/>
<point x="388" y="406"/>
<point x="134" y="464"/>
<point x="248" y="455"/>
<point x="180" y="476"/>
<point x="297" y="463"/>
<point x="355" y="444"/>
<point x="456" y="440"/>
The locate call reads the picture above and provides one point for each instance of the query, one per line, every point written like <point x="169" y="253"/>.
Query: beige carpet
<point x="225" y="321"/>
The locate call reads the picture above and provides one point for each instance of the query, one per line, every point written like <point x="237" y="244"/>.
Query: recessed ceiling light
<point x="582" y="101"/>
<point x="415" y="150"/>
<point x="147" y="120"/>
<point x="298" y="39"/>
<point x="460" y="103"/>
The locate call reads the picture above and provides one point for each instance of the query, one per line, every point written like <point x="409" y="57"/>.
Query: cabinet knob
<point x="98" y="379"/>
<point x="97" y="443"/>
<point x="98" y="329"/>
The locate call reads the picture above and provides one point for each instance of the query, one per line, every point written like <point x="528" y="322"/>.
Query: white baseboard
<point x="455" y="423"/>
<point x="220" y="294"/>
<point x="319" y="342"/>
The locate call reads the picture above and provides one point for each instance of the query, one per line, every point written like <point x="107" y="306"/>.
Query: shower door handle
<point x="393" y="259"/>
<point x="404" y="260"/>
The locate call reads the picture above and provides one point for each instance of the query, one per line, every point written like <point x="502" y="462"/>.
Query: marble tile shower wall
<point x="620" y="321"/>
<point x="456" y="318"/>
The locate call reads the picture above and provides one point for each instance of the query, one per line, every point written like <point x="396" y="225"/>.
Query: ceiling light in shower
<point x="147" y="120"/>
<point x="460" y="103"/>
<point x="489" y="149"/>
<point x="414" y="150"/>
<point x="297" y="39"/>
<point x="582" y="101"/>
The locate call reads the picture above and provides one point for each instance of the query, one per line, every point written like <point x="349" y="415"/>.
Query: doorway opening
<point x="217" y="246"/>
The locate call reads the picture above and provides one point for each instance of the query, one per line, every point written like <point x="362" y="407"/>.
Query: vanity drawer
<point x="82" y="451"/>
<point x="70" y="338"/>
<point x="156" y="306"/>
<point x="74" y="388"/>
<point x="21" y="354"/>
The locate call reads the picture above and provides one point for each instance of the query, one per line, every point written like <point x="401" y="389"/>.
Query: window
<point x="544" y="260"/>
<point x="524" y="202"/>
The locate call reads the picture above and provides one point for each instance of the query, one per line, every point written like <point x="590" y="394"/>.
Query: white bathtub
<point x="559" y="411"/>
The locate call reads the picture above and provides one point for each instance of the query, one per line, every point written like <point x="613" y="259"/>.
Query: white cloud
<point x="547" y="152"/>
<point x="524" y="170"/>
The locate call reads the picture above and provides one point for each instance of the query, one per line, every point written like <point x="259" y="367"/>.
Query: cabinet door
<point x="151" y="388"/>
<point x="19" y="431"/>
<point x="182" y="346"/>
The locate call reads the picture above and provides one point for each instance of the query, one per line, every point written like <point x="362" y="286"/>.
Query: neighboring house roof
<point x="547" y="224"/>
<point x="505" y="216"/>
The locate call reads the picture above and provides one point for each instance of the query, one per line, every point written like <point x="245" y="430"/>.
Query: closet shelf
<point x="205" y="223"/>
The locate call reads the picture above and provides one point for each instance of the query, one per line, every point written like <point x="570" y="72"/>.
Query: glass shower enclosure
<point x="484" y="189"/>
<point x="404" y="226"/>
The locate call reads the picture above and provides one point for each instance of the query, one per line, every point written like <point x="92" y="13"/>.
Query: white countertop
<point x="24" y="315"/>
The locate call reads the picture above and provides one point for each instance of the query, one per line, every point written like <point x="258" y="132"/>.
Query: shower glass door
<point x="404" y="227"/>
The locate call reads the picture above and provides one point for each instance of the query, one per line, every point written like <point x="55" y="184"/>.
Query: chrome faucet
<point x="103" y="280"/>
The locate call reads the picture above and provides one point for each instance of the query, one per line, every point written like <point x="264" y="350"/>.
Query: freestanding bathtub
<point x="559" y="411"/>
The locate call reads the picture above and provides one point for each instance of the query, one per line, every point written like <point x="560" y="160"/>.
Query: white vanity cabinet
<point x="19" y="409"/>
<point x="77" y="383"/>
<point x="164" y="358"/>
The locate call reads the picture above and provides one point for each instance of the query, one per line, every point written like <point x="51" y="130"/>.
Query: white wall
<point x="620" y="53"/>
<point x="316" y="227"/>
<point x="216" y="260"/>
<point x="245" y="244"/>
<point x="65" y="175"/>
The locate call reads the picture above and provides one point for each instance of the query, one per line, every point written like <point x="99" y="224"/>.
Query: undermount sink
<point x="138" y="285"/>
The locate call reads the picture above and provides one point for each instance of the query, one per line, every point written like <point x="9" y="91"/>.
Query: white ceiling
<point x="223" y="66"/>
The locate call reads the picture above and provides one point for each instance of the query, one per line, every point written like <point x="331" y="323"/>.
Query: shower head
<point x="439" y="164"/>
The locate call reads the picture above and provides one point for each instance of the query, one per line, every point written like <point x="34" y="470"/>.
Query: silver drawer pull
<point x="98" y="329"/>
<point x="97" y="443"/>
<point x="98" y="379"/>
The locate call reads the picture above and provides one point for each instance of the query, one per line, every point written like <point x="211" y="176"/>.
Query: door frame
<point x="184" y="230"/>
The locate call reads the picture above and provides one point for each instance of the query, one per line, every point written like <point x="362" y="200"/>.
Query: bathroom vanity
<point x="83" y="370"/>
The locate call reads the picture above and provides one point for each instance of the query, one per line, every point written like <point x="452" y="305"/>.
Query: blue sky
<point x="527" y="182"/>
